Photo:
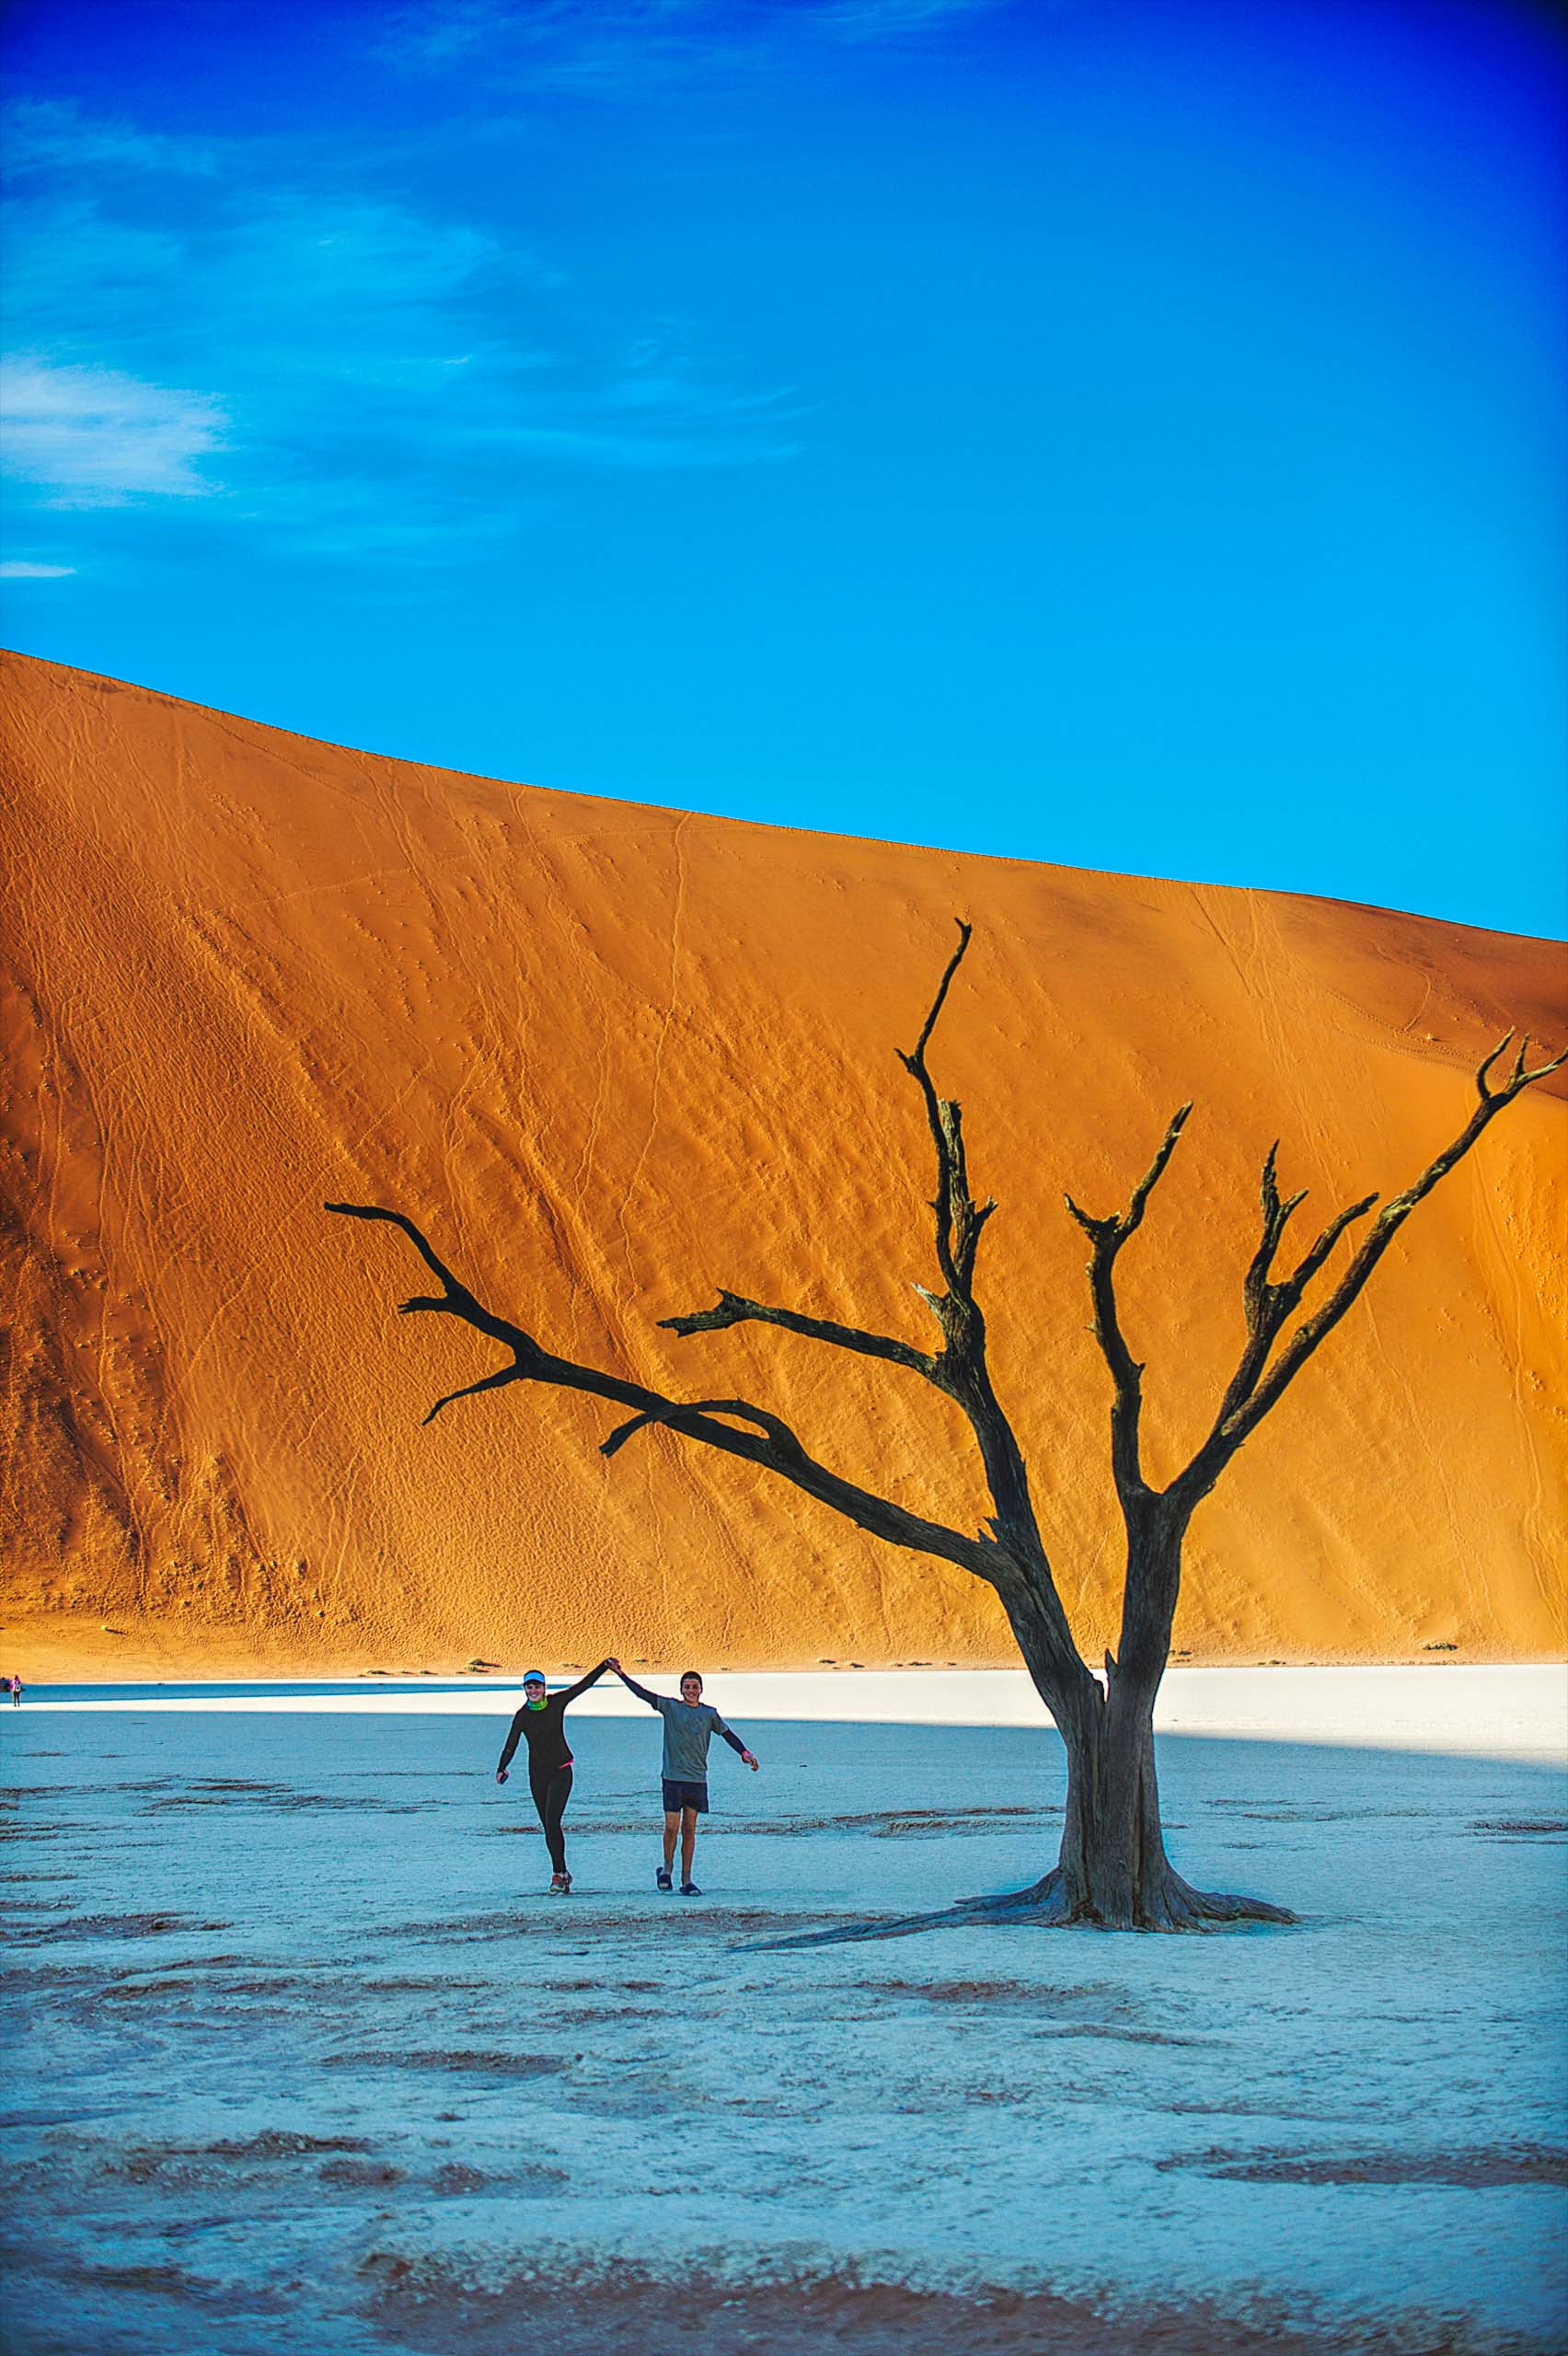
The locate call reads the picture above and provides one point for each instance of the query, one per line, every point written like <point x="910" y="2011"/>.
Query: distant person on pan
<point x="689" y="1726"/>
<point x="541" y="1724"/>
<point x="16" y="1685"/>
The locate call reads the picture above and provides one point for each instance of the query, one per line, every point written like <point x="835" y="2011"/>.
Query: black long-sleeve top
<point x="544" y="1730"/>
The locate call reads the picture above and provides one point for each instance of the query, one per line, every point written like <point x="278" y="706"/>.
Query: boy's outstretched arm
<point x="734" y="1740"/>
<point x="632" y="1686"/>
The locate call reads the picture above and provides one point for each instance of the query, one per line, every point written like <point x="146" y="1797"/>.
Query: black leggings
<point x="551" y="1791"/>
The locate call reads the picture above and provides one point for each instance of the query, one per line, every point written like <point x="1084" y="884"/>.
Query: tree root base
<point x="1053" y="1905"/>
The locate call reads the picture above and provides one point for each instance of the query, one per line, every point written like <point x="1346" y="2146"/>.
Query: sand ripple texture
<point x="615" y="1057"/>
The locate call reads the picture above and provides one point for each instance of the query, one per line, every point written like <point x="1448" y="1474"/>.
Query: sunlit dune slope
<point x="614" y="1057"/>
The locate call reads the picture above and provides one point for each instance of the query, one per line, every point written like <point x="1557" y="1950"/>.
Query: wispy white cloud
<point x="372" y="376"/>
<point x="18" y="569"/>
<point x="96" y="437"/>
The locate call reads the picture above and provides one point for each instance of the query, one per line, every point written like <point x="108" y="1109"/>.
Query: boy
<point x="689" y="1726"/>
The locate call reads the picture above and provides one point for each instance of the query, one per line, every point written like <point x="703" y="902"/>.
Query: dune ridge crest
<point x="614" y="1057"/>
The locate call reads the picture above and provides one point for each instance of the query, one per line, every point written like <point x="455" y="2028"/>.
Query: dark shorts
<point x="679" y="1795"/>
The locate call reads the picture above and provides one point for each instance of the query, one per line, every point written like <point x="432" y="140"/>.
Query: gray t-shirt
<point x="688" y="1729"/>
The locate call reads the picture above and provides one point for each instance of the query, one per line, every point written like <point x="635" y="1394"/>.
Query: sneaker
<point x="561" y="1885"/>
<point x="690" y="1890"/>
<point x="664" y="1879"/>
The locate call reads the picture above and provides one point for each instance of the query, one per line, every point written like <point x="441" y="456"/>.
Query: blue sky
<point x="1120" y="432"/>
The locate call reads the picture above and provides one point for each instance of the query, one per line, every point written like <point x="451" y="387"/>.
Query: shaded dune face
<point x="613" y="1057"/>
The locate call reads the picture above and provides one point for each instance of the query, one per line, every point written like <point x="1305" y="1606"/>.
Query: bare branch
<point x="497" y="1382"/>
<point x="1092" y="1227"/>
<point x="1482" y="1090"/>
<point x="452" y="1285"/>
<point x="1277" y="1218"/>
<point x="1257" y="1386"/>
<point x="777" y="1429"/>
<point x="1107" y="1235"/>
<point x="947" y="1136"/>
<point x="1155" y="1172"/>
<point x="960" y="1219"/>
<point x="1518" y="1077"/>
<point x="1313" y="1259"/>
<point x="734" y="1309"/>
<point x="965" y="933"/>
<point x="456" y="1300"/>
<point x="1265" y="1305"/>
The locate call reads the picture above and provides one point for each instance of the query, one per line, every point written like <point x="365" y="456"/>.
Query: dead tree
<point x="1113" y="1869"/>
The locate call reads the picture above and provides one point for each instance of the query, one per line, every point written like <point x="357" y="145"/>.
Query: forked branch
<point x="1259" y="1384"/>
<point x="1518" y="1078"/>
<point x="1106" y="1237"/>
<point x="1261" y="1379"/>
<point x="1265" y="1304"/>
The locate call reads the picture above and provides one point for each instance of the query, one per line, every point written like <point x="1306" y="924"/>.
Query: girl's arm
<point x="513" y="1739"/>
<point x="581" y="1685"/>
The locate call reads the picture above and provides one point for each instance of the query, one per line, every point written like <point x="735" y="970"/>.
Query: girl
<point x="541" y="1723"/>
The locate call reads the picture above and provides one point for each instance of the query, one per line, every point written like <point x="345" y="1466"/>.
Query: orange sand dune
<point x="614" y="1057"/>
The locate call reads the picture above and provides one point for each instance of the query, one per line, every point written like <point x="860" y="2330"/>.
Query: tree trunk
<point x="1113" y="1869"/>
